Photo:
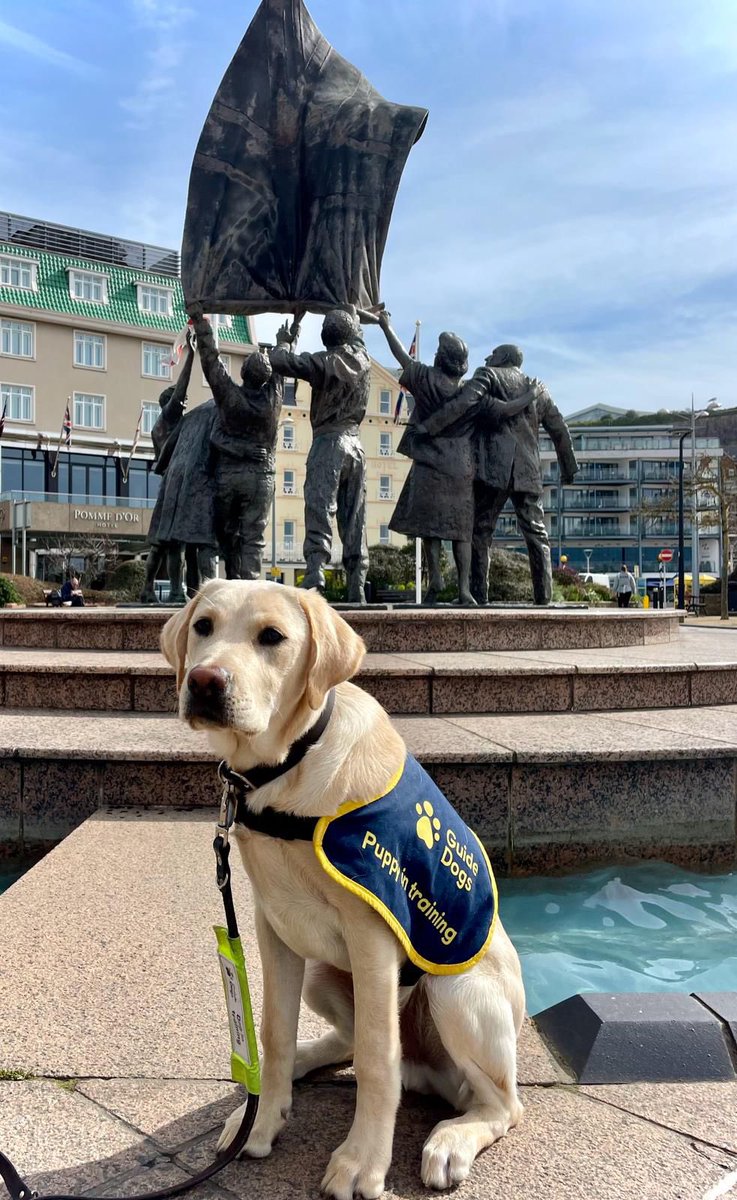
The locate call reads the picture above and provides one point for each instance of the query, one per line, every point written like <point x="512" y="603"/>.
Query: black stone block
<point x="724" y="1005"/>
<point x="662" y="1037"/>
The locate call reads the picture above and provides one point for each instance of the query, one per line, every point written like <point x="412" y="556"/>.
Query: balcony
<point x="659" y="476"/>
<point x="385" y="452"/>
<point x="594" y="529"/>
<point x="289" y="552"/>
<point x="288" y="443"/>
<point x="594" y="504"/>
<point x="385" y="494"/>
<point x="290" y="489"/>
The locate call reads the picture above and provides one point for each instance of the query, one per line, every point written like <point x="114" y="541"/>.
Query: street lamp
<point x="681" y="434"/>
<point x="711" y="406"/>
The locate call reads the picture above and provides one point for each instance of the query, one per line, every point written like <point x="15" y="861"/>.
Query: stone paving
<point x="111" y="1003"/>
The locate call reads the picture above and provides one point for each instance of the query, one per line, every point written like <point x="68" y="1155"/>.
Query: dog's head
<point x="250" y="657"/>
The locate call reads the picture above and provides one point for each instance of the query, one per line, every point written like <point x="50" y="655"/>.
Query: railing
<point x="290" y="489"/>
<point x="593" y="504"/>
<point x="385" y="451"/>
<point x="290" y="552"/>
<point x="80" y="243"/>
<point x="79" y="500"/>
<point x="288" y="444"/>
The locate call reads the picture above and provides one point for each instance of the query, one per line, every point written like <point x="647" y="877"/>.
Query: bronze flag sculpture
<point x="294" y="177"/>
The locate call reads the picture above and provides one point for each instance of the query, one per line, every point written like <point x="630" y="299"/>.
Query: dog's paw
<point x="447" y="1156"/>
<point x="354" y="1171"/>
<point x="266" y="1128"/>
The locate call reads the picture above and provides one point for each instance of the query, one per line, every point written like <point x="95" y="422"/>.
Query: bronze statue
<point x="335" y="484"/>
<point x="294" y="177"/>
<point x="436" y="502"/>
<point x="180" y="531"/>
<point x="508" y="464"/>
<point x="243" y="439"/>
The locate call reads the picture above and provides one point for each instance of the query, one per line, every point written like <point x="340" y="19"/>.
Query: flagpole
<point x="55" y="467"/>
<point x="418" y="541"/>
<point x="134" y="445"/>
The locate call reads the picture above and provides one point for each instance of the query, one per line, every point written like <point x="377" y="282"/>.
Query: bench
<point x="697" y="607"/>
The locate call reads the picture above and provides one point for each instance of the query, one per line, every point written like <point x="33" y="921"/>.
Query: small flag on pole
<point x="65" y="437"/>
<point x="134" y="446"/>
<point x="2" y="419"/>
<point x="181" y="341"/>
<point x="402" y="394"/>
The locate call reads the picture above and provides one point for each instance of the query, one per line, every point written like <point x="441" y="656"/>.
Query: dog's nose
<point x="208" y="683"/>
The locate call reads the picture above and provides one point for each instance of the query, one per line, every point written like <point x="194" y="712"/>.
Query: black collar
<point x="269" y="820"/>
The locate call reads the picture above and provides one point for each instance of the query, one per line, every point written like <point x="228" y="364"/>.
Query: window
<point x="385" y="487"/>
<point x="89" y="411"/>
<point x="16" y="402"/>
<point x="287" y="437"/>
<point x="156" y="360"/>
<point x="385" y="402"/>
<point x="290" y="393"/>
<point x="385" y="444"/>
<point x="87" y="285"/>
<point x="289" y="532"/>
<point x="22" y="473"/>
<point x="383" y="535"/>
<point x="289" y="488"/>
<point x="149" y="416"/>
<point x="18" y="273"/>
<point x="18" y="338"/>
<point x="154" y="299"/>
<point x="89" y="350"/>
<point x="221" y="321"/>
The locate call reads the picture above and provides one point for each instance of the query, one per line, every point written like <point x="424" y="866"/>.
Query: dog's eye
<point x="270" y="636"/>
<point x="203" y="627"/>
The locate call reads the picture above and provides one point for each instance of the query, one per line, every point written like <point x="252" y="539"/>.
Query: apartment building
<point x="622" y="506"/>
<point x="90" y="321"/>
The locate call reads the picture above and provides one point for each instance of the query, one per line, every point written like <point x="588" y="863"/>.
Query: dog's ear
<point x="336" y="652"/>
<point x="174" y="640"/>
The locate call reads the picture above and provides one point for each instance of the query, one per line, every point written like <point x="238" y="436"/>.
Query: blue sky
<point x="575" y="190"/>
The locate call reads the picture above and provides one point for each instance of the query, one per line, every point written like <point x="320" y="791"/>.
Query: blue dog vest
<point x="410" y="856"/>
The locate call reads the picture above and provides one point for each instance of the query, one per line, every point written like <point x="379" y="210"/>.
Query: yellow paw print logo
<point x="428" y="826"/>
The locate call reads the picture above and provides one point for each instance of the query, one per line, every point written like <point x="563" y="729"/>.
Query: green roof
<point x="52" y="295"/>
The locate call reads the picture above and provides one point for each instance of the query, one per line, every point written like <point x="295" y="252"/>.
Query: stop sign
<point x="666" y="556"/>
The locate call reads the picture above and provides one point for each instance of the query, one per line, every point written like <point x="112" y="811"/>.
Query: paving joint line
<point x="692" y="1137"/>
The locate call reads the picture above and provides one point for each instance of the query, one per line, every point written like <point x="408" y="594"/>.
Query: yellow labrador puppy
<point x="255" y="664"/>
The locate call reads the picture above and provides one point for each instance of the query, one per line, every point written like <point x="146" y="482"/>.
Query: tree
<point x="100" y="553"/>
<point x="714" y="485"/>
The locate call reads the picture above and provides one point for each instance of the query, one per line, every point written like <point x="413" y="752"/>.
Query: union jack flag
<point x="66" y="428"/>
<point x="65" y="438"/>
<point x="402" y="394"/>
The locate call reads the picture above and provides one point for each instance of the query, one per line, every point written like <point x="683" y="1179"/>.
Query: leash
<point x="244" y="1066"/>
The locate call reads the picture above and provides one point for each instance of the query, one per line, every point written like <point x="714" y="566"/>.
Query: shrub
<point x="391" y="566"/>
<point x="509" y="577"/>
<point x="8" y="592"/>
<point x="127" y="580"/>
<point x="30" y="591"/>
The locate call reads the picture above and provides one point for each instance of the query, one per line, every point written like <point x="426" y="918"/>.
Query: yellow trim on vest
<point x="373" y="901"/>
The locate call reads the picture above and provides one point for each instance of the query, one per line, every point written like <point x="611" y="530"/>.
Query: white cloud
<point x="159" y="92"/>
<point x="28" y="43"/>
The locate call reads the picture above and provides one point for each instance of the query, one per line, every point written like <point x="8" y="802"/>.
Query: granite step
<point x="698" y="668"/>
<point x="385" y="631"/>
<point x="544" y="791"/>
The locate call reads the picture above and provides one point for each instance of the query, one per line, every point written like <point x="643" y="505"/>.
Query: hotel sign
<point x="49" y="518"/>
<point x="107" y="519"/>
